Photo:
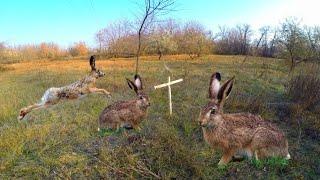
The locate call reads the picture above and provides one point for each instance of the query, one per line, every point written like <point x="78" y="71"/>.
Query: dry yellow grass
<point x="60" y="66"/>
<point x="117" y="63"/>
<point x="62" y="141"/>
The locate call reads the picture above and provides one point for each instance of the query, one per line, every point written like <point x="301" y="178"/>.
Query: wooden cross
<point x="169" y="83"/>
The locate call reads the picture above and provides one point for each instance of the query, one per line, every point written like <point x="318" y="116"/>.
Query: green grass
<point x="62" y="141"/>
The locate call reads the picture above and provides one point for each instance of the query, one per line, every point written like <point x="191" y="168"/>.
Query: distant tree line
<point x="290" y="40"/>
<point x="119" y="39"/>
<point x="42" y="51"/>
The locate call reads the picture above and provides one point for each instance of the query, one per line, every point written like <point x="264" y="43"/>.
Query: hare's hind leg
<point x="226" y="157"/>
<point x="256" y="155"/>
<point x="26" y="110"/>
<point x="263" y="153"/>
<point x="48" y="98"/>
<point x="266" y="143"/>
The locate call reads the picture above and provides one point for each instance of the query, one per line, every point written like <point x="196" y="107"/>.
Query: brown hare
<point x="73" y="91"/>
<point x="127" y="114"/>
<point x="240" y="133"/>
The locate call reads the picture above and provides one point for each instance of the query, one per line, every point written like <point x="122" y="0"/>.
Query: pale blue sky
<point x="68" y="21"/>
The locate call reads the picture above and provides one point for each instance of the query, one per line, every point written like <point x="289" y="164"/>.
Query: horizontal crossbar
<point x="167" y="84"/>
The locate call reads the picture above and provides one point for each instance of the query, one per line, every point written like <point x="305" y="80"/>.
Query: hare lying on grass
<point x="126" y="114"/>
<point x="238" y="133"/>
<point x="73" y="91"/>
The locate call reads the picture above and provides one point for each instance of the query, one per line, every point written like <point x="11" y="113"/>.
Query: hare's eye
<point x="213" y="111"/>
<point x="141" y="97"/>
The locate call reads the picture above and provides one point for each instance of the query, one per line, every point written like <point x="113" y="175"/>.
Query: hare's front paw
<point x="138" y="128"/>
<point x="108" y="94"/>
<point x="22" y="114"/>
<point x="221" y="163"/>
<point x="226" y="157"/>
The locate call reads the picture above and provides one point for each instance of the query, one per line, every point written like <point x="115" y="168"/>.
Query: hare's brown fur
<point x="72" y="91"/>
<point x="241" y="132"/>
<point x="126" y="113"/>
<point x="246" y="133"/>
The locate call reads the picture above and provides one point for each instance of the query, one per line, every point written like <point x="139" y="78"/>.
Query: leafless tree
<point x="151" y="9"/>
<point x="109" y="37"/>
<point x="2" y="48"/>
<point x="313" y="42"/>
<point x="293" y="39"/>
<point x="265" y="45"/>
<point x="234" y="40"/>
<point x="244" y="32"/>
<point x="99" y="38"/>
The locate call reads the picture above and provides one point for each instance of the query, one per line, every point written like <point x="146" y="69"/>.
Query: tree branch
<point x="152" y="8"/>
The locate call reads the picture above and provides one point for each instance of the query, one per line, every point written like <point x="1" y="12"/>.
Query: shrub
<point x="78" y="49"/>
<point x="5" y="68"/>
<point x="49" y="50"/>
<point x="304" y="87"/>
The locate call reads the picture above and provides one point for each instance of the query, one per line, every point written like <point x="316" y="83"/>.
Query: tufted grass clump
<point x="62" y="142"/>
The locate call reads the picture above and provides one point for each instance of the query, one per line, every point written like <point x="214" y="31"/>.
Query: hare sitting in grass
<point x="73" y="91"/>
<point x="240" y="133"/>
<point x="127" y="114"/>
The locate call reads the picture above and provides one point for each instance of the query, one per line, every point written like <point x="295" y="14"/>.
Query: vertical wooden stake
<point x="170" y="102"/>
<point x="169" y="83"/>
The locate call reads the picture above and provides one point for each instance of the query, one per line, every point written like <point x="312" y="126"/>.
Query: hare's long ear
<point x="214" y="85"/>
<point x="225" y="90"/>
<point x="132" y="85"/>
<point x="93" y="63"/>
<point x="137" y="81"/>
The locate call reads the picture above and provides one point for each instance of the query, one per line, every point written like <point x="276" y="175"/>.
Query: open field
<point x="62" y="141"/>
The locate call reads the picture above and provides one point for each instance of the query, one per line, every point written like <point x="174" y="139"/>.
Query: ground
<point x="62" y="141"/>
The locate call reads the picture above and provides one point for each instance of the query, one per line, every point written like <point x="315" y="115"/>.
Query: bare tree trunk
<point x="151" y="9"/>
<point x="160" y="54"/>
<point x="139" y="34"/>
<point x="292" y="62"/>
